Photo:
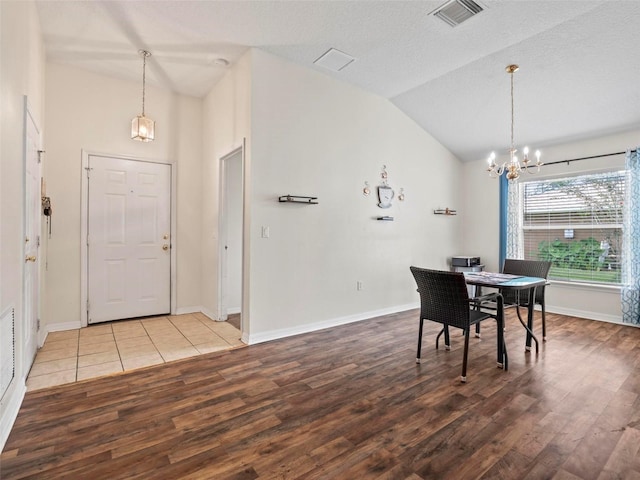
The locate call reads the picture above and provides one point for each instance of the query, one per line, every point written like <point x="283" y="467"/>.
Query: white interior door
<point x="128" y="244"/>
<point x="231" y="233"/>
<point x="32" y="222"/>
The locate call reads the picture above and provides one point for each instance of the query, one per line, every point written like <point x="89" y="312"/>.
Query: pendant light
<point x="143" y="128"/>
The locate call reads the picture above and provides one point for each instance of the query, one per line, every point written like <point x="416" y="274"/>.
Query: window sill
<point x="587" y="286"/>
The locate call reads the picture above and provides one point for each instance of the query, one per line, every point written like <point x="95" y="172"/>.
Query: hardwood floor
<point x="350" y="403"/>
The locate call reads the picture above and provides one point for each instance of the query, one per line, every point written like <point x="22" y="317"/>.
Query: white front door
<point x="31" y="237"/>
<point x="128" y="244"/>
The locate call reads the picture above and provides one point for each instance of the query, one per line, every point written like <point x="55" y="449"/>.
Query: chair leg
<point x="419" y="341"/>
<point x="463" y="377"/>
<point x="477" y="330"/>
<point x="447" y="341"/>
<point x="438" y="338"/>
<point x="506" y="356"/>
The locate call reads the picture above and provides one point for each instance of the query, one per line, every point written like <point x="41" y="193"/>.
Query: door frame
<point x="222" y="315"/>
<point x="84" y="229"/>
<point x="31" y="330"/>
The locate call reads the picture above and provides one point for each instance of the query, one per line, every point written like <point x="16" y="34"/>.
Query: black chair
<point x="526" y="268"/>
<point x="444" y="299"/>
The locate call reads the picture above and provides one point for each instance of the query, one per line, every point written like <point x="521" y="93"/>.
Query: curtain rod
<point x="583" y="158"/>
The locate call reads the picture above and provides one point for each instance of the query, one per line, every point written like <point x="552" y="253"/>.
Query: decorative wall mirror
<point x="385" y="195"/>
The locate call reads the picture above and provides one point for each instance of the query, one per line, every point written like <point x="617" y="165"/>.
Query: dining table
<point x="521" y="284"/>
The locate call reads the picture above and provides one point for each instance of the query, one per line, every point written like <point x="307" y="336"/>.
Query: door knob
<point x="165" y="247"/>
<point x="30" y="258"/>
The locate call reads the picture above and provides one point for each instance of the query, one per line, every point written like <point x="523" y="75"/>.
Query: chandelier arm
<point x="502" y="168"/>
<point x="530" y="172"/>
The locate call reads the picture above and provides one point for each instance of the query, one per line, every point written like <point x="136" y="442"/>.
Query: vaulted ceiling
<point x="579" y="71"/>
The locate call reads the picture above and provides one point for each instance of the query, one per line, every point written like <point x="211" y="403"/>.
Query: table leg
<point x="530" y="309"/>
<point x="502" y="353"/>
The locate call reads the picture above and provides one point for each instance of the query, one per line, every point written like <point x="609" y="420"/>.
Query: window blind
<point x="576" y="223"/>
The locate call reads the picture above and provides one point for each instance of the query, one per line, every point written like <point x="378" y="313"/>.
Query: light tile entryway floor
<point x="113" y="347"/>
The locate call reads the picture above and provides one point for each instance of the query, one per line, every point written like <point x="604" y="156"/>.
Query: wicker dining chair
<point x="444" y="299"/>
<point x="527" y="268"/>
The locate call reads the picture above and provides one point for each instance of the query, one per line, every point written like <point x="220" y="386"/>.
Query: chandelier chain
<point x="144" y="54"/>
<point x="512" y="117"/>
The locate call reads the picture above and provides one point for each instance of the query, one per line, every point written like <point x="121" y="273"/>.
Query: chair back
<point x="444" y="297"/>
<point x="528" y="268"/>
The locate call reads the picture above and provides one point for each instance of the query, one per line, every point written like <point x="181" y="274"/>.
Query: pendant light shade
<point x="143" y="128"/>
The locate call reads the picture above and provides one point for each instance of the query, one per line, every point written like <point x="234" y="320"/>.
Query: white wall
<point x="482" y="219"/>
<point x="21" y="73"/>
<point x="226" y="122"/>
<point x="93" y="113"/>
<point x="315" y="136"/>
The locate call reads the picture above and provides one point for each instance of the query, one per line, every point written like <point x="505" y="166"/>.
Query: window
<point x="576" y="223"/>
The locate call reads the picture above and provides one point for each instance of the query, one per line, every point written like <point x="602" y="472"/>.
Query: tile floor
<point x="113" y="347"/>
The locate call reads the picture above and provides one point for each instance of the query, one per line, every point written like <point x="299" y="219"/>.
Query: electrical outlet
<point x="358" y="285"/>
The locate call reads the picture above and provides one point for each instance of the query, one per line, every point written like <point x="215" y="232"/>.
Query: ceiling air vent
<point x="334" y="60"/>
<point x="457" y="11"/>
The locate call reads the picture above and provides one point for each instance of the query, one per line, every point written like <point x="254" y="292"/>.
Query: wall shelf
<point x="444" y="211"/>
<point x="298" y="199"/>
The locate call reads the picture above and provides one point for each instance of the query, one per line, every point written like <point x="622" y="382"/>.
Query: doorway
<point x="128" y="238"/>
<point x="231" y="237"/>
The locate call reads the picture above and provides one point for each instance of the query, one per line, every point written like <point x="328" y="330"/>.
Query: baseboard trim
<point x="186" y="310"/>
<point x="602" y="317"/>
<point x="10" y="411"/>
<point x="334" y="322"/>
<point x="209" y="313"/>
<point x="61" y="327"/>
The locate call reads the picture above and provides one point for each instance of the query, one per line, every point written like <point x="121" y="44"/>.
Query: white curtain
<point x="630" y="293"/>
<point x="515" y="243"/>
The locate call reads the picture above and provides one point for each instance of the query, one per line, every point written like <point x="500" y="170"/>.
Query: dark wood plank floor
<point x="350" y="403"/>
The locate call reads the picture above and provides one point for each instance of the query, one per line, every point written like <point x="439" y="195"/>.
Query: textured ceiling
<point x="579" y="75"/>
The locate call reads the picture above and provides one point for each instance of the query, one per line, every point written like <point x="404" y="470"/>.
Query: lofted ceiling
<point x="579" y="71"/>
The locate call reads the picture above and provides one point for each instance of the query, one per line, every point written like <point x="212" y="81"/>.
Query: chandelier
<point x="143" y="128"/>
<point x="513" y="166"/>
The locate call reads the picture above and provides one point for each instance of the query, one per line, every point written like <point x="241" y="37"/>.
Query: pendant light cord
<point x="144" y="71"/>
<point x="144" y="54"/>
<point x="512" y="117"/>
